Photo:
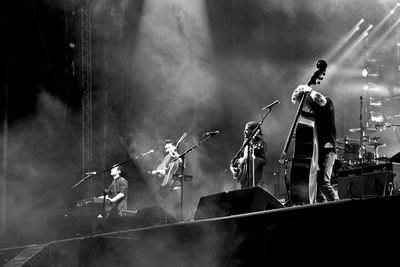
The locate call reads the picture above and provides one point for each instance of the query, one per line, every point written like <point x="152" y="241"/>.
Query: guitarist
<point x="241" y="165"/>
<point x="117" y="193"/>
<point x="168" y="168"/>
<point x="323" y="112"/>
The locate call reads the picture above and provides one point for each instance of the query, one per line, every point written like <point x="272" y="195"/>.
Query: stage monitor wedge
<point x="236" y="202"/>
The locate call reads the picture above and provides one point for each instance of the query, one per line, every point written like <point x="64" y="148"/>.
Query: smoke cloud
<point x="163" y="68"/>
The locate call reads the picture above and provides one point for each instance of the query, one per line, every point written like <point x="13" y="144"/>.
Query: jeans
<point x="325" y="191"/>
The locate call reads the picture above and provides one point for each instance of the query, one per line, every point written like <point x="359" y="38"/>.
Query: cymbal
<point x="376" y="144"/>
<point x="369" y="129"/>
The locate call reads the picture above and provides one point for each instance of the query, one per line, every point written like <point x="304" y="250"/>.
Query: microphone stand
<point x="82" y="180"/>
<point x="250" y="139"/>
<point x="105" y="177"/>
<point x="182" y="176"/>
<point x="362" y="149"/>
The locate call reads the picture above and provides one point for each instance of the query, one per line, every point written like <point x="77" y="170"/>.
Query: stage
<point x="346" y="231"/>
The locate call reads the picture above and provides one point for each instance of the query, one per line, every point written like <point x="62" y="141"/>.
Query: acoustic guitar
<point x="240" y="169"/>
<point x="166" y="169"/>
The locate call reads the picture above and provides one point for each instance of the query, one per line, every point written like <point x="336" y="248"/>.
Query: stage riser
<point x="288" y="235"/>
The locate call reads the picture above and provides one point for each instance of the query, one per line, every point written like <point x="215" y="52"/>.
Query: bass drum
<point x="351" y="151"/>
<point x="369" y="156"/>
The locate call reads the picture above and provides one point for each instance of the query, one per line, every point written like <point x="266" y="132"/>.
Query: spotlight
<point x="359" y="23"/>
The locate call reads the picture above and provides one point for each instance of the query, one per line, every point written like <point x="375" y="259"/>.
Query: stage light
<point x="376" y="117"/>
<point x="374" y="102"/>
<point x="342" y="41"/>
<point x="364" y="72"/>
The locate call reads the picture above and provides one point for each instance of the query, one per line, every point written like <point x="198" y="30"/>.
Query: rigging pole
<point x="86" y="65"/>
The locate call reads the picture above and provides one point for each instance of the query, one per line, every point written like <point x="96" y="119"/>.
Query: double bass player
<point x="323" y="112"/>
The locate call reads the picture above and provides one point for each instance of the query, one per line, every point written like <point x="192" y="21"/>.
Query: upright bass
<point x="302" y="188"/>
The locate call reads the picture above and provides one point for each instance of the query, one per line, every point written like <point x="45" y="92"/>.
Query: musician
<point x="170" y="188"/>
<point x="117" y="192"/>
<point x="323" y="111"/>
<point x="241" y="165"/>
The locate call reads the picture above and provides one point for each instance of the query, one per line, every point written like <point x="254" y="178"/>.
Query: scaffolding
<point x="86" y="71"/>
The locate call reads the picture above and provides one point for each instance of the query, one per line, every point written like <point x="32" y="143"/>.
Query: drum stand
<point x="362" y="149"/>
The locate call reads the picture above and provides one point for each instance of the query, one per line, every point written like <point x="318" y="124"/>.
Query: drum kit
<point x="352" y="151"/>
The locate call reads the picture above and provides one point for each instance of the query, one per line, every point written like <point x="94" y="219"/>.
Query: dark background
<point x="159" y="69"/>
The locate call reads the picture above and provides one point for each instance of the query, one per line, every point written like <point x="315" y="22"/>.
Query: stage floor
<point x="355" y="231"/>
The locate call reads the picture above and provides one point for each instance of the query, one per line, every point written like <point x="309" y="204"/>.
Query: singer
<point x="251" y="160"/>
<point x="117" y="193"/>
<point x="168" y="188"/>
<point x="324" y="114"/>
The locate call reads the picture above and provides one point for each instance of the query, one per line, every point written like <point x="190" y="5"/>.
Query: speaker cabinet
<point x="250" y="200"/>
<point x="396" y="176"/>
<point x="236" y="202"/>
<point x="213" y="206"/>
<point x="366" y="185"/>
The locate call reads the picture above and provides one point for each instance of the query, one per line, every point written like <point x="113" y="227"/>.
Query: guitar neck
<point x="294" y="124"/>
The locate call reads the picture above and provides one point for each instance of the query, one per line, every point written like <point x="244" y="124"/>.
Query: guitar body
<point x="303" y="174"/>
<point x="172" y="168"/>
<point x="166" y="169"/>
<point x="240" y="171"/>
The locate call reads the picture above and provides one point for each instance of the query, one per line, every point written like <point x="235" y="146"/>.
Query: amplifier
<point x="396" y="178"/>
<point x="364" y="184"/>
<point x="370" y="168"/>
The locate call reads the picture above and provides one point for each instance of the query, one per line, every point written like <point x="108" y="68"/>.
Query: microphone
<point x="212" y="133"/>
<point x="148" y="152"/>
<point x="271" y="105"/>
<point x="90" y="173"/>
